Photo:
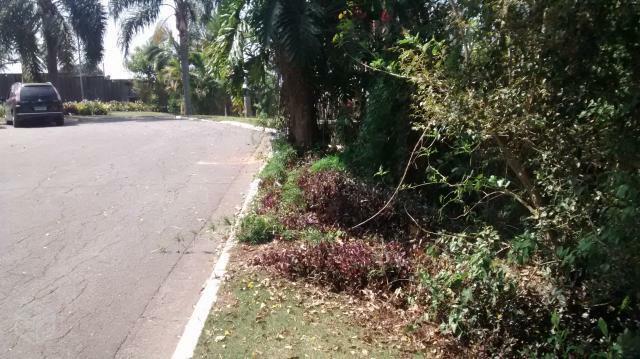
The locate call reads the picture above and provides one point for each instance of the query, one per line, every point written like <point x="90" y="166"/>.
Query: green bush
<point x="174" y="105"/>
<point x="328" y="163"/>
<point x="137" y="106"/>
<point x="86" y="108"/>
<point x="257" y="229"/>
<point x="89" y="108"/>
<point x="276" y="168"/>
<point x="315" y="235"/>
<point x="292" y="196"/>
<point x="382" y="136"/>
<point x="70" y="108"/>
<point x="2" y="111"/>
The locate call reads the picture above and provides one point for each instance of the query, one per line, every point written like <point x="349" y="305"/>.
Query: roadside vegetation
<point x="90" y="108"/>
<point x="460" y="289"/>
<point x="473" y="165"/>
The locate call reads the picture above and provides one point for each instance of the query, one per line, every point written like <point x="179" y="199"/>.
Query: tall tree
<point x="289" y="34"/>
<point x="56" y="23"/>
<point x="18" y="37"/>
<point x="138" y="14"/>
<point x="61" y="20"/>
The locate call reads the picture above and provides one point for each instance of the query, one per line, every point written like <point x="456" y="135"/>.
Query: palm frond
<point x="295" y="30"/>
<point x="89" y="21"/>
<point x="263" y="18"/>
<point x="67" y="45"/>
<point x="118" y="7"/>
<point x="136" y="21"/>
<point x="19" y="25"/>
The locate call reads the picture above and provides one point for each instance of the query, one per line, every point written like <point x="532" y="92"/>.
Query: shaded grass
<point x="259" y="317"/>
<point x="276" y="168"/>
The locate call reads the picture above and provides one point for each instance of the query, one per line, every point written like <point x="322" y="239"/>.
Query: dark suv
<point x="33" y="102"/>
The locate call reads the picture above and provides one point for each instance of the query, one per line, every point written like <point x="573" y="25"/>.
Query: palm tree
<point x="291" y="29"/>
<point x="61" y="20"/>
<point x="288" y="33"/>
<point x="18" y="20"/>
<point x="57" y="22"/>
<point x="139" y="14"/>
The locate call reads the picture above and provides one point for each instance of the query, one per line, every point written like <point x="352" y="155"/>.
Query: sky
<point x="113" y="56"/>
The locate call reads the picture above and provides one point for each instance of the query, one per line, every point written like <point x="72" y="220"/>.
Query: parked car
<point x="33" y="102"/>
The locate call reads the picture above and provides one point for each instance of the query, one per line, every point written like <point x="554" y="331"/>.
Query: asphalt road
<point x="107" y="231"/>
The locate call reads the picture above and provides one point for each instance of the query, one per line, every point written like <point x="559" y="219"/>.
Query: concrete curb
<point x="232" y="123"/>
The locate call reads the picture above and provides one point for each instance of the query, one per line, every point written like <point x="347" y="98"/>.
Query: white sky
<point x="113" y="56"/>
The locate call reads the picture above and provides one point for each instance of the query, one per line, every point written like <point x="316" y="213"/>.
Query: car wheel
<point x="60" y="121"/>
<point x="16" y="122"/>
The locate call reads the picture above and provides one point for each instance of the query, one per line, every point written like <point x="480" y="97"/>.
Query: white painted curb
<point x="232" y="123"/>
<point x="189" y="339"/>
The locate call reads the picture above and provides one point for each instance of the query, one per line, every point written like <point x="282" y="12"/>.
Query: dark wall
<point x="95" y="87"/>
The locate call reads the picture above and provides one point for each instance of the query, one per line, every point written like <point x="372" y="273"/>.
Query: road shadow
<point x="88" y="120"/>
<point x="33" y="124"/>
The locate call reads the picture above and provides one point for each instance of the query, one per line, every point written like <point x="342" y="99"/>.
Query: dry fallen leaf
<point x="219" y="338"/>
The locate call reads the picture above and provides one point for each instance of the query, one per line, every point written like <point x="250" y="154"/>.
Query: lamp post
<point x="80" y="69"/>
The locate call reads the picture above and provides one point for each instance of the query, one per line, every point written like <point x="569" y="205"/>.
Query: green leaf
<point x="555" y="319"/>
<point x="603" y="327"/>
<point x="625" y="304"/>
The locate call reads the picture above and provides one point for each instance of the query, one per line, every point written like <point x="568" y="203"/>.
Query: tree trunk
<point x="299" y="107"/>
<point x="48" y="13"/>
<point x="182" y="23"/>
<point x="52" y="59"/>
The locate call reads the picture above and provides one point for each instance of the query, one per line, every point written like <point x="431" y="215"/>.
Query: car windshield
<point x="29" y="93"/>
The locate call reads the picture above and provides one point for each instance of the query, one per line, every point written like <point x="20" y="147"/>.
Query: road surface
<point x="109" y="228"/>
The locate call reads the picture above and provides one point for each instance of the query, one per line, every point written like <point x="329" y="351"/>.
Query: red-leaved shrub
<point x="343" y="266"/>
<point x="340" y="200"/>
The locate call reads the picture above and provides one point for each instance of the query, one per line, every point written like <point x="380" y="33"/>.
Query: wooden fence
<point x="95" y="87"/>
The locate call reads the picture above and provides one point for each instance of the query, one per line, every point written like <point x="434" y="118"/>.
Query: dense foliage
<point x="511" y="131"/>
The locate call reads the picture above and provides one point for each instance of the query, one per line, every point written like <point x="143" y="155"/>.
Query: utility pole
<point x="80" y="68"/>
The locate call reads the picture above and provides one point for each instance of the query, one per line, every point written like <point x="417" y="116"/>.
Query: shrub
<point x="137" y="106"/>
<point x="315" y="235"/>
<point x="343" y="266"/>
<point x="291" y="195"/>
<point x="338" y="199"/>
<point x="88" y="108"/>
<point x="70" y="108"/>
<point x="328" y="163"/>
<point x="85" y="108"/>
<point x="257" y="229"/>
<point x="2" y="111"/>
<point x="276" y="168"/>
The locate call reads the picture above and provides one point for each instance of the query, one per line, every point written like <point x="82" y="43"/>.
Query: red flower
<point x="359" y="14"/>
<point x="385" y="17"/>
